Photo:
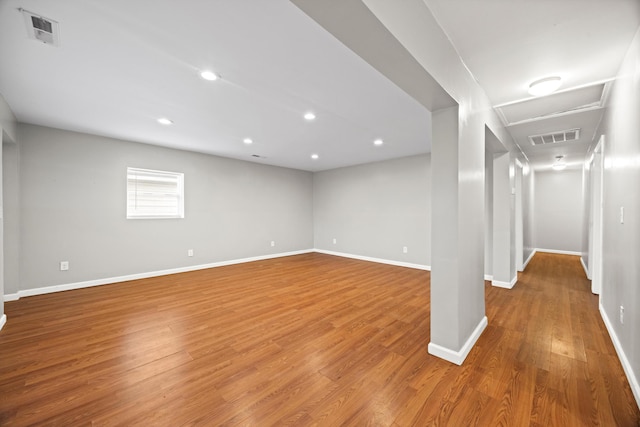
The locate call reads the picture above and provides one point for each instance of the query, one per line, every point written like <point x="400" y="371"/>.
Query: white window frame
<point x="175" y="194"/>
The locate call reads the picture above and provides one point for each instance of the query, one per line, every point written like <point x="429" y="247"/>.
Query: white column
<point x="504" y="271"/>
<point x="457" y="261"/>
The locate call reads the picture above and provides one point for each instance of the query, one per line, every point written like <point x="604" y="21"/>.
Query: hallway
<point x="549" y="339"/>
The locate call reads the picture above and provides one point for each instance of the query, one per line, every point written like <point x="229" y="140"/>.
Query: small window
<point x="154" y="194"/>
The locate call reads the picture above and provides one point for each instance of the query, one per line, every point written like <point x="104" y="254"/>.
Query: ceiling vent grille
<point x="555" y="137"/>
<point x="40" y="28"/>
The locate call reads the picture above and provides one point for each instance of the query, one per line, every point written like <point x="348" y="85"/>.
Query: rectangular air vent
<point x="40" y="28"/>
<point x="555" y="137"/>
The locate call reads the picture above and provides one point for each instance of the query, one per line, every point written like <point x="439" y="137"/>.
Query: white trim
<point x="488" y="277"/>
<point x="458" y="357"/>
<point x="506" y="285"/>
<point x="557" y="251"/>
<point x="584" y="266"/>
<point x="3" y="321"/>
<point x="109" y="280"/>
<point x="626" y="365"/>
<point x="528" y="260"/>
<point x="378" y="260"/>
<point x="11" y="297"/>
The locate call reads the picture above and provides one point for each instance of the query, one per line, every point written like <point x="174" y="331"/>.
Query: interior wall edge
<point x="634" y="383"/>
<point x="584" y="266"/>
<point x="557" y="251"/>
<point x="458" y="357"/>
<point x="377" y="260"/>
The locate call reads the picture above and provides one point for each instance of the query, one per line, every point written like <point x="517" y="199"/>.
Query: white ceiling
<point x="507" y="44"/>
<point x="123" y="64"/>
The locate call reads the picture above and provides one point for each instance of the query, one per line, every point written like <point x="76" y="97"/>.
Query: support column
<point x="504" y="241"/>
<point x="457" y="263"/>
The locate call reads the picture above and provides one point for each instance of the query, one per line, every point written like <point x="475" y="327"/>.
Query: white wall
<point x="375" y="210"/>
<point x="73" y="208"/>
<point x="621" y="241"/>
<point x="558" y="210"/>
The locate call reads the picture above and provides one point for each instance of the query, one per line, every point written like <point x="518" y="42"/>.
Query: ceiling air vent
<point x="555" y="137"/>
<point x="40" y="28"/>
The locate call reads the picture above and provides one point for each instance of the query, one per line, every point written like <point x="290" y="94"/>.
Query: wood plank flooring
<point x="309" y="340"/>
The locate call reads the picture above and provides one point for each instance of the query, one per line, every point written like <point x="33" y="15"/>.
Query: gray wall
<point x="558" y="210"/>
<point x="8" y="121"/>
<point x="621" y="242"/>
<point x="587" y="224"/>
<point x="374" y="210"/>
<point x="11" y="198"/>
<point x="528" y="245"/>
<point x="504" y="267"/>
<point x="2" y="316"/>
<point x="488" y="214"/>
<point x="7" y="135"/>
<point x="73" y="205"/>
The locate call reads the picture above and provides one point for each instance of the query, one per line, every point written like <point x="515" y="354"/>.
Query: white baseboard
<point x="528" y="260"/>
<point x="488" y="277"/>
<point x="378" y="260"/>
<point x="458" y="357"/>
<point x="626" y="365"/>
<point x="586" y="270"/>
<point x="3" y="321"/>
<point x="109" y="280"/>
<point x="557" y="251"/>
<point x="506" y="285"/>
<point x="11" y="297"/>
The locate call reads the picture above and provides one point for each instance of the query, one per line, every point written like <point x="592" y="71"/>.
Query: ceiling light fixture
<point x="315" y="156"/>
<point x="378" y="142"/>
<point x="559" y="164"/>
<point x="165" y="121"/>
<point x="209" y="75"/>
<point x="545" y="86"/>
<point x="248" y="141"/>
<point x="309" y="116"/>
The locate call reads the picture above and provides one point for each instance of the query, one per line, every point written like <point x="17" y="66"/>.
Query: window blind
<point x="154" y="194"/>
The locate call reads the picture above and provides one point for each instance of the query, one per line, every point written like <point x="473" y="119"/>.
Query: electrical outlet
<point x="64" y="265"/>
<point x="622" y="315"/>
<point x="273" y="243"/>
<point x="335" y="240"/>
<point x="190" y="252"/>
<point x="405" y="250"/>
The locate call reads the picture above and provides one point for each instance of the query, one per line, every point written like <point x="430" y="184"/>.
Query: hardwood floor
<point x="309" y="340"/>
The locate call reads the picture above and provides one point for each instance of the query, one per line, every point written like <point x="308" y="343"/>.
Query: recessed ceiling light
<point x="378" y="142"/>
<point x="545" y="86"/>
<point x="315" y="156"/>
<point x="209" y="75"/>
<point x="309" y="116"/>
<point x="248" y="141"/>
<point x="165" y="121"/>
